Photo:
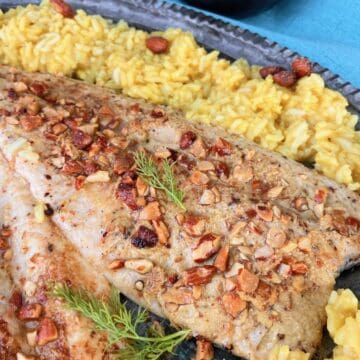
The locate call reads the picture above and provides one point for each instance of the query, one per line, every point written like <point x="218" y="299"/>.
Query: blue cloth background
<point x="326" y="31"/>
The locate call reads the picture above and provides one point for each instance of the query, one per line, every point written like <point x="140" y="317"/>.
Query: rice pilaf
<point x="308" y="122"/>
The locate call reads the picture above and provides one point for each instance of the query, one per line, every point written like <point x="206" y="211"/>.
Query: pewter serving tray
<point x="233" y="42"/>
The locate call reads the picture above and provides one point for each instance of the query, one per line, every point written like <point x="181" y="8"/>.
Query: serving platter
<point x="233" y="42"/>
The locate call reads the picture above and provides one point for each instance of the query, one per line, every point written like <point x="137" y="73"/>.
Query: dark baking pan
<point x="233" y="42"/>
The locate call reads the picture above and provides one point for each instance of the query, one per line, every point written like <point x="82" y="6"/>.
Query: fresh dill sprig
<point x="120" y="324"/>
<point x="165" y="181"/>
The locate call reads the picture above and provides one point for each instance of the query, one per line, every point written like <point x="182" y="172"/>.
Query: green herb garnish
<point x="165" y="181"/>
<point x="120" y="324"/>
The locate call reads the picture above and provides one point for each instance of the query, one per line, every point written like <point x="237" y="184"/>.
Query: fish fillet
<point x="40" y="257"/>
<point x="251" y="262"/>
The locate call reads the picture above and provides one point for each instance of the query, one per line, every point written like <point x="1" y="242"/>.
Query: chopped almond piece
<point x="197" y="292"/>
<point x="222" y="258"/>
<point x="264" y="252"/>
<point x="301" y="204"/>
<point x="116" y="264"/>
<point x="207" y="246"/>
<point x="31" y="338"/>
<point x="204" y="350"/>
<point x="150" y="212"/>
<point x="243" y="173"/>
<point x="194" y="225"/>
<point x="304" y="244"/>
<point x="178" y="296"/>
<point x="46" y="332"/>
<point x="30" y="122"/>
<point x="321" y="195"/>
<point x="142" y="266"/>
<point x="284" y="270"/>
<point x="207" y="198"/>
<point x="264" y="212"/>
<point x="205" y="166"/>
<point x="299" y="268"/>
<point x="30" y="312"/>
<point x="162" y="231"/>
<point x="247" y="281"/>
<point x="274" y="192"/>
<point x="276" y="238"/>
<point x="142" y="187"/>
<point x="98" y="176"/>
<point x="199" y="178"/>
<point x="198" y="149"/>
<point x="222" y="147"/>
<point x="233" y="304"/>
<point x="199" y="275"/>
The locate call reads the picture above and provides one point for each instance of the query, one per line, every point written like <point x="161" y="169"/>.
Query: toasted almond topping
<point x="21" y="356"/>
<point x="207" y="246"/>
<point x="217" y="194"/>
<point x="207" y="198"/>
<point x="99" y="176"/>
<point x="204" y="350"/>
<point x="179" y="296"/>
<point x="289" y="247"/>
<point x="197" y="292"/>
<point x="59" y="128"/>
<point x="89" y="128"/>
<point x="19" y="86"/>
<point x="229" y="285"/>
<point x="301" y="204"/>
<point x="205" y="166"/>
<point x="243" y="173"/>
<point x="304" y="244"/>
<point x="162" y="231"/>
<point x="247" y="281"/>
<point x="31" y="338"/>
<point x="142" y="266"/>
<point x="276" y="238"/>
<point x="199" y="275"/>
<point x="264" y="252"/>
<point x="30" y="312"/>
<point x="180" y="218"/>
<point x="222" y="258"/>
<point x="237" y="228"/>
<point x="235" y="270"/>
<point x="284" y="270"/>
<point x="321" y="195"/>
<point x="162" y="153"/>
<point x="198" y="149"/>
<point x="274" y="192"/>
<point x="199" y="178"/>
<point x="30" y="122"/>
<point x="46" y="332"/>
<point x="233" y="304"/>
<point x="116" y="264"/>
<point x="150" y="212"/>
<point x="194" y="225"/>
<point x="299" y="268"/>
<point x="298" y="283"/>
<point x="264" y="212"/>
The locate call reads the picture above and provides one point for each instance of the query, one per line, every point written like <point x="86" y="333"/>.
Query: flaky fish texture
<point x="37" y="257"/>
<point x="248" y="265"/>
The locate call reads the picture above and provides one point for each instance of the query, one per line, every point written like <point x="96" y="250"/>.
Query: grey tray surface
<point x="233" y="42"/>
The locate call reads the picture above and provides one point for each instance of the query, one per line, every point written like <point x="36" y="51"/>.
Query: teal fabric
<point x="326" y="31"/>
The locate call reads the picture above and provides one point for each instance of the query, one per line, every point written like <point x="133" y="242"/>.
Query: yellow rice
<point x="309" y="123"/>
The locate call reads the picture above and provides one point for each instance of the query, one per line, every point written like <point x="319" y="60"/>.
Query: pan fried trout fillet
<point x="251" y="262"/>
<point x="41" y="257"/>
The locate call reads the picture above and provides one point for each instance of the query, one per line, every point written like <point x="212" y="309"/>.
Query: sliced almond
<point x="199" y="178"/>
<point x="198" y="149"/>
<point x="193" y="225"/>
<point x="217" y="194"/>
<point x="207" y="198"/>
<point x="284" y="270"/>
<point x="150" y="212"/>
<point x="207" y="246"/>
<point x="161" y="231"/>
<point x="235" y="270"/>
<point x="304" y="244"/>
<point x="274" y="192"/>
<point x="19" y="86"/>
<point x="142" y="266"/>
<point x="222" y="258"/>
<point x="46" y="332"/>
<point x="179" y="296"/>
<point x="237" y="228"/>
<point x="276" y="238"/>
<point x="233" y="304"/>
<point x="31" y="338"/>
<point x="205" y="166"/>
<point x="299" y="268"/>
<point x="142" y="187"/>
<point x="264" y="252"/>
<point x="243" y="173"/>
<point x="229" y="285"/>
<point x="264" y="212"/>
<point x="116" y="264"/>
<point x="199" y="275"/>
<point x="247" y="281"/>
<point x="99" y="176"/>
<point x="197" y="292"/>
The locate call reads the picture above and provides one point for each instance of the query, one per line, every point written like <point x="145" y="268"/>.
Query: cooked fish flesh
<point x="40" y="258"/>
<point x="251" y="261"/>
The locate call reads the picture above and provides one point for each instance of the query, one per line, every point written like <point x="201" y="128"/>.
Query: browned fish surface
<point x="248" y="265"/>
